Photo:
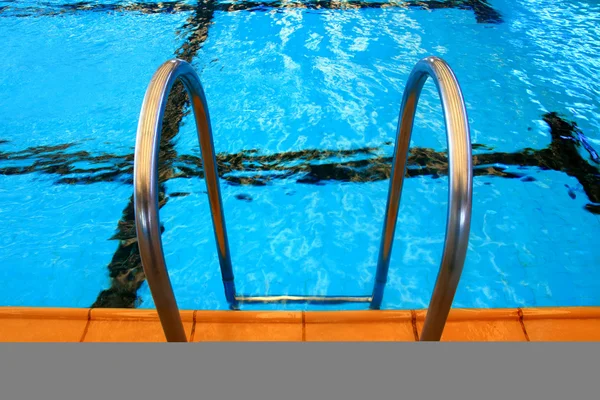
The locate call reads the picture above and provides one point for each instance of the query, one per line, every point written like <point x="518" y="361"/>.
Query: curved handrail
<point x="460" y="190"/>
<point x="145" y="183"/>
<point x="146" y="193"/>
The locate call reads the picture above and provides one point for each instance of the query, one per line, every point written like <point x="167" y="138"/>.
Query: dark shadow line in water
<point x="125" y="269"/>
<point x="484" y="12"/>
<point x="315" y="167"/>
<point x="248" y="167"/>
<point x="562" y="155"/>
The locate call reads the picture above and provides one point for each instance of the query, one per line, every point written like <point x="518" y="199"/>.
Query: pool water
<point x="304" y="100"/>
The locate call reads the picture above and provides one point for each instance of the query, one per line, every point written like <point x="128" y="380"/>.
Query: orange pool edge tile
<point x="248" y="326"/>
<point x="359" y="326"/>
<point x="130" y="325"/>
<point x="33" y="324"/>
<point x="28" y="324"/>
<point x="534" y="313"/>
<point x="480" y="325"/>
<point x="573" y="324"/>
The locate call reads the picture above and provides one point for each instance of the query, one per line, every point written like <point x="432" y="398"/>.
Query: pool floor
<point x="304" y="100"/>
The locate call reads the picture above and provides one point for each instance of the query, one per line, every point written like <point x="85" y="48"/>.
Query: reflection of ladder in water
<point x="459" y="207"/>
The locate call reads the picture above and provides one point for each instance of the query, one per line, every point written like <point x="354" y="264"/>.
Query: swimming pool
<point x="304" y="100"/>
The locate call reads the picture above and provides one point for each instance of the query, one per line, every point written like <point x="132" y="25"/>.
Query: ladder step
<point x="303" y="299"/>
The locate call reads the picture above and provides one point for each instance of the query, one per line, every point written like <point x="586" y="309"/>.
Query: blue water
<point x="292" y="79"/>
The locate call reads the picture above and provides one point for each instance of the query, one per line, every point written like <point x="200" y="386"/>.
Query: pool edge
<point x="36" y="324"/>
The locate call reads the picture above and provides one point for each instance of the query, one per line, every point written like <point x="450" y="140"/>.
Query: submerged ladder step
<point x="299" y="299"/>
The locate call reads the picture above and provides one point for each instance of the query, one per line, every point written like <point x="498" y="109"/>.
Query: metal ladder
<point x="459" y="206"/>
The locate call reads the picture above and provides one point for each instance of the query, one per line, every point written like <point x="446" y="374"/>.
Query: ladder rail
<point x="460" y="191"/>
<point x="145" y="183"/>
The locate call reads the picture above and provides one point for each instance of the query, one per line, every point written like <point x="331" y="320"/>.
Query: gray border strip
<point x="301" y="371"/>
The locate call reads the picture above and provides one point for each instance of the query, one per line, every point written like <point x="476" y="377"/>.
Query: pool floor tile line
<point x="125" y="268"/>
<point x="29" y="324"/>
<point x="483" y="10"/>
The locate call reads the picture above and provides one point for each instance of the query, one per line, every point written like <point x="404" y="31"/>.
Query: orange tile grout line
<point x="303" y="326"/>
<point x="87" y="325"/>
<point x="193" y="326"/>
<point x="520" y="314"/>
<point x="413" y="321"/>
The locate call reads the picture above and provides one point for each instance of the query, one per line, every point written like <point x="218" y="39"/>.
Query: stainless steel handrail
<point x="459" y="197"/>
<point x="146" y="195"/>
<point x="145" y="183"/>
